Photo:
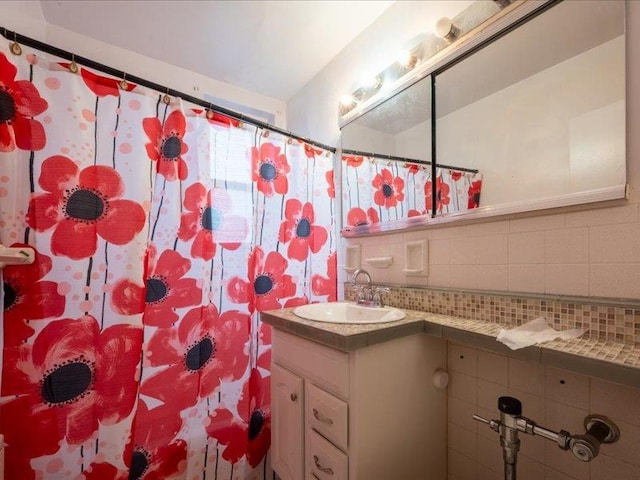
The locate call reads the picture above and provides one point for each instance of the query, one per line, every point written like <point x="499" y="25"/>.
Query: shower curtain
<point x="132" y="347"/>
<point x="381" y="190"/>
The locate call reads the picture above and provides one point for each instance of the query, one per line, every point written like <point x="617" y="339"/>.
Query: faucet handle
<point x="493" y="424"/>
<point x="377" y="295"/>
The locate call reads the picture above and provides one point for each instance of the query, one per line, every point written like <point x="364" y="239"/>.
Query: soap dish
<point x="379" y="262"/>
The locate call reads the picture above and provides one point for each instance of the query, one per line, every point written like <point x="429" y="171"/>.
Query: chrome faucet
<point x="361" y="271"/>
<point x="367" y="295"/>
<point x="364" y="292"/>
<point x="585" y="447"/>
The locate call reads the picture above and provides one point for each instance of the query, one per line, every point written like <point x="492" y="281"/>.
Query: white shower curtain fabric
<point x="132" y="347"/>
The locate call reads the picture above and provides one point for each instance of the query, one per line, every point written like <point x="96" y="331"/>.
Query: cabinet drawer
<point x="323" y="460"/>
<point x="327" y="415"/>
<point x="324" y="366"/>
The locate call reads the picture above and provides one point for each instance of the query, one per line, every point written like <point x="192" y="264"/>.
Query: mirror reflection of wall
<point x="400" y="127"/>
<point x="541" y="111"/>
<point x="377" y="184"/>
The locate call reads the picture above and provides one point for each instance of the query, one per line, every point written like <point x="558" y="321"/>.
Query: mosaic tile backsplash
<point x="612" y="320"/>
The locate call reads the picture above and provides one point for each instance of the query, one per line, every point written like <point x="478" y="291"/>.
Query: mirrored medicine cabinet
<point x="526" y="114"/>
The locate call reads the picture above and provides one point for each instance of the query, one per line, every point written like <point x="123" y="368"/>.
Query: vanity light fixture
<point x="347" y="100"/>
<point x="407" y="59"/>
<point x="446" y="30"/>
<point x="370" y="82"/>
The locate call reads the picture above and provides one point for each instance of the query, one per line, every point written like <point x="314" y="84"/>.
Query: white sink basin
<point x="347" y="312"/>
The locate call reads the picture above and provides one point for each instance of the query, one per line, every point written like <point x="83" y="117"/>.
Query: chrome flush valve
<point x="585" y="447"/>
<point x="599" y="430"/>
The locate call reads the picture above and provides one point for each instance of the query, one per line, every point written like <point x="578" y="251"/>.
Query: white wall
<point x="26" y="18"/>
<point x="592" y="252"/>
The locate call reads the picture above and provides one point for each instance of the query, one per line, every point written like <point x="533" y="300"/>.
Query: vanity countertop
<point x="613" y="361"/>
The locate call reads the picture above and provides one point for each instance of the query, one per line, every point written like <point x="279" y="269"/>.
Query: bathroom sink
<point x="347" y="312"/>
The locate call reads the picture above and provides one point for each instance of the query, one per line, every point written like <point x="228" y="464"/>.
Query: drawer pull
<point x="293" y="397"/>
<point x="327" y="470"/>
<point x="322" y="418"/>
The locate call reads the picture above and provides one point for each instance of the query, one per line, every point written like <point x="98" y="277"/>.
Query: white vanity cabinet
<point x="367" y="414"/>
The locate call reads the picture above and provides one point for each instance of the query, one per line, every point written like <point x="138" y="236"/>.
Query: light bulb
<point x="369" y="81"/>
<point x="406" y="59"/>
<point x="347" y="100"/>
<point x="446" y="30"/>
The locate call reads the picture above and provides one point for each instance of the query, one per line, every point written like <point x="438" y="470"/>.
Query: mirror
<point x="543" y="118"/>
<point x="531" y="118"/>
<point x="386" y="157"/>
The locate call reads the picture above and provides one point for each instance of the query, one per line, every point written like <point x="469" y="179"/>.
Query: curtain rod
<point x="58" y="52"/>
<point x="405" y="159"/>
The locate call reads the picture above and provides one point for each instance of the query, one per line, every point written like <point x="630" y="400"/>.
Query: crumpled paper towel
<point x="535" y="331"/>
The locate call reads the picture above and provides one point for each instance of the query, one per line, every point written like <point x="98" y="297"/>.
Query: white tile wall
<point x="587" y="253"/>
<point x="555" y="398"/>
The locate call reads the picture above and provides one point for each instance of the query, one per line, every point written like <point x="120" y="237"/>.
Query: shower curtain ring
<point x="166" y="99"/>
<point x="15" y="47"/>
<point x="210" y="112"/>
<point x="124" y="85"/>
<point x="241" y="122"/>
<point x="73" y="66"/>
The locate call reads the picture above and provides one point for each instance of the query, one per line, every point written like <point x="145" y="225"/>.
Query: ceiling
<point x="269" y="47"/>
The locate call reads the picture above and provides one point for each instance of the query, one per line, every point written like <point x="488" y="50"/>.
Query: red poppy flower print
<point x="455" y="175"/>
<point x="103" y="86"/>
<point x="20" y="101"/>
<point x="413" y="213"/>
<point x="81" y="205"/>
<point x="251" y="435"/>
<point x="353" y="160"/>
<point x="388" y="189"/>
<point x="28" y="297"/>
<point x="163" y="291"/>
<point x="474" y="194"/>
<point x="207" y="219"/>
<point x="357" y="217"/>
<point x="223" y="120"/>
<point x="167" y="461"/>
<point x="331" y="190"/>
<point x="270" y="169"/>
<point x="311" y="152"/>
<point x="267" y="285"/>
<point x="158" y="463"/>
<point x="442" y="194"/>
<point x="327" y="286"/>
<point x="70" y="380"/>
<point x="155" y="454"/>
<point x="412" y="168"/>
<point x="264" y="346"/>
<point x="203" y="350"/>
<point x="166" y="145"/>
<point x="299" y="231"/>
<point x="102" y="470"/>
<point x="296" y="302"/>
